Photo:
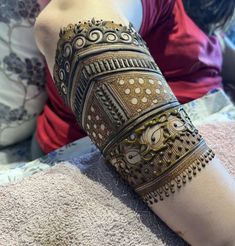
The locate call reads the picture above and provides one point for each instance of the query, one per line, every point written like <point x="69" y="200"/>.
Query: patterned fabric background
<point x="21" y="71"/>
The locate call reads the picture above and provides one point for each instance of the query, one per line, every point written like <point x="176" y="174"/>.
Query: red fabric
<point x="190" y="61"/>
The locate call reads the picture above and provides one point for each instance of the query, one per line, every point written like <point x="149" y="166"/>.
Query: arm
<point x="144" y="133"/>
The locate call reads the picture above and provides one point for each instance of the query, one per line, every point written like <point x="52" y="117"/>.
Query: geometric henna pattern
<point x="102" y="65"/>
<point x="112" y="108"/>
<point x="90" y="58"/>
<point x="125" y="97"/>
<point x="97" y="126"/>
<point x="93" y="38"/>
<point x="106" y="75"/>
<point x="139" y="91"/>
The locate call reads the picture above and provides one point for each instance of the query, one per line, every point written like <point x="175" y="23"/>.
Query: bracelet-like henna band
<point x="106" y="75"/>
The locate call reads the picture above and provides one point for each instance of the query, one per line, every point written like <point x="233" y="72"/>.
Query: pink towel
<point x="62" y="206"/>
<point x="221" y="138"/>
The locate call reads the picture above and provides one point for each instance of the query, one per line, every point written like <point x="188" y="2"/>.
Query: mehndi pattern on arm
<point x="106" y="75"/>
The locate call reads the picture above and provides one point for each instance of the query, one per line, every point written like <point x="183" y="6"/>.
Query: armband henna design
<point x="106" y="75"/>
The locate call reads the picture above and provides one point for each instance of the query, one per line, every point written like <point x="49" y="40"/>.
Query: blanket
<point x="91" y="205"/>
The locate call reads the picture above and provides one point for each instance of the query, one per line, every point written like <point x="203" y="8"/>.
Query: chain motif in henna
<point x="107" y="76"/>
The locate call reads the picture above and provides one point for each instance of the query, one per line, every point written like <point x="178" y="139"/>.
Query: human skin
<point x="202" y="212"/>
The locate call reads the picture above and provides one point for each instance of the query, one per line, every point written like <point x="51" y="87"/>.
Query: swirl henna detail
<point x="161" y="155"/>
<point x="106" y="75"/>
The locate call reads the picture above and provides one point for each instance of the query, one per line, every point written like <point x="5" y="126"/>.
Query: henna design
<point x="116" y="114"/>
<point x="106" y="75"/>
<point x="158" y="154"/>
<point x="89" y="40"/>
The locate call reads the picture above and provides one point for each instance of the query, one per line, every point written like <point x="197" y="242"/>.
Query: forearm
<point x="119" y="96"/>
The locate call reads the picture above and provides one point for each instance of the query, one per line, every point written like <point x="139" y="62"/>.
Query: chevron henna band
<point x="106" y="75"/>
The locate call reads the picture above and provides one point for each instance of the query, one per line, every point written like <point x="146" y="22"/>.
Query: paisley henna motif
<point x="158" y="154"/>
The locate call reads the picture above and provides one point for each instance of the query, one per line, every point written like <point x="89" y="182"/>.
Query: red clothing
<point x="190" y="61"/>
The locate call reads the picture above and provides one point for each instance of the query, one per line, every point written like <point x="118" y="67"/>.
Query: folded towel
<point x="67" y="206"/>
